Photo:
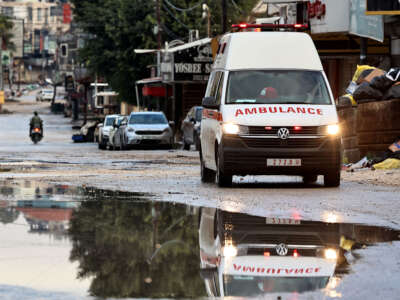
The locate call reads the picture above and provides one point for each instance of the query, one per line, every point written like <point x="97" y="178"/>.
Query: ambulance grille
<point x="306" y="130"/>
<point x="278" y="143"/>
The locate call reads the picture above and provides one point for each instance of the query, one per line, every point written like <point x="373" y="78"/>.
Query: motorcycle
<point x="36" y="135"/>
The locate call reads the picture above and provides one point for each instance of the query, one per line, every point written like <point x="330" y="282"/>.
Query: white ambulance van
<point x="268" y="109"/>
<point x="244" y="256"/>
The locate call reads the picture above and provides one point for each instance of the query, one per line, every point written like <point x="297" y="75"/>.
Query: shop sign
<point x="379" y="7"/>
<point x="329" y="16"/>
<point x="364" y="25"/>
<point x="190" y="64"/>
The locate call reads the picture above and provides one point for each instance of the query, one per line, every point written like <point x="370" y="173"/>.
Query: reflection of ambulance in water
<point x="268" y="109"/>
<point x="243" y="255"/>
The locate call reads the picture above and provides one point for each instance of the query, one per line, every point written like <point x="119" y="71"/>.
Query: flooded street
<point x="66" y="242"/>
<point x="78" y="222"/>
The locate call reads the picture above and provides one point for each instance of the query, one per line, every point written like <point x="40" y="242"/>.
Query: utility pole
<point x="158" y="38"/>
<point x="158" y="25"/>
<point x="224" y="28"/>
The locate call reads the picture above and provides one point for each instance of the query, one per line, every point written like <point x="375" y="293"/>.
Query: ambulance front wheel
<point x="332" y="179"/>
<point x="310" y="178"/>
<point x="207" y="175"/>
<point x="223" y="179"/>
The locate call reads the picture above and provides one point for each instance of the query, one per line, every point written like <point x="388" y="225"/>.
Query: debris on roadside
<point x="86" y="133"/>
<point x="389" y="159"/>
<point x="371" y="84"/>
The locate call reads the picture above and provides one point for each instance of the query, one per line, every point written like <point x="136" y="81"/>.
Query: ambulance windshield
<point x="248" y="286"/>
<point x="277" y="87"/>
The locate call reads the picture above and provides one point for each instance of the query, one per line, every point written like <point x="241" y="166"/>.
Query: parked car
<point x="45" y="95"/>
<point x="114" y="141"/>
<point x="104" y="131"/>
<point x="148" y="128"/>
<point x="191" y="128"/>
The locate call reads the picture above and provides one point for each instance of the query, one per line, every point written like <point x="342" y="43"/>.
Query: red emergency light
<point x="297" y="128"/>
<point x="270" y="26"/>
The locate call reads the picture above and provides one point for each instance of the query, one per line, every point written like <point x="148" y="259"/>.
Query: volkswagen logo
<point x="283" y="133"/>
<point x="281" y="249"/>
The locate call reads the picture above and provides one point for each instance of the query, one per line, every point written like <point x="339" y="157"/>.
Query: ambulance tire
<point x="332" y="179"/>
<point x="186" y="146"/>
<point x="207" y="175"/>
<point x="222" y="179"/>
<point x="310" y="178"/>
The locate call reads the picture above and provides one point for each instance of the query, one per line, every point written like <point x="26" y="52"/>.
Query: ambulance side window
<point x="219" y="92"/>
<point x="214" y="86"/>
<point x="210" y="83"/>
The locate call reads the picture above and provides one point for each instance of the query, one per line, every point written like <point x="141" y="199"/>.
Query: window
<point x="214" y="85"/>
<point x="46" y="15"/>
<point x="220" y="89"/>
<point x="30" y="14"/>
<point x="147" y="119"/>
<point x="39" y="14"/>
<point x="8" y="11"/>
<point x="277" y="87"/>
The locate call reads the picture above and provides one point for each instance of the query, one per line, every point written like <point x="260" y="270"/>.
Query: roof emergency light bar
<point x="270" y="26"/>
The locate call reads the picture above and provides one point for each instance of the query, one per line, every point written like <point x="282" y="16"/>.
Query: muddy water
<point x="63" y="242"/>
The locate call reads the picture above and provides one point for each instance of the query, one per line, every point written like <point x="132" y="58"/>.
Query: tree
<point x="117" y="27"/>
<point x="114" y="235"/>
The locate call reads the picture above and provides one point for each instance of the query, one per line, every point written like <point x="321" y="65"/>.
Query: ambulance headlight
<point x="229" y="251"/>
<point x="230" y="128"/>
<point x="333" y="129"/>
<point x="330" y="254"/>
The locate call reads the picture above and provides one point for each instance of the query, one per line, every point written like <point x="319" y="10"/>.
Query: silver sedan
<point x="148" y="128"/>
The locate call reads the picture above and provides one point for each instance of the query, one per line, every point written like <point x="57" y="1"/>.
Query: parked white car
<point x="104" y="131"/>
<point x="148" y="128"/>
<point x="45" y="95"/>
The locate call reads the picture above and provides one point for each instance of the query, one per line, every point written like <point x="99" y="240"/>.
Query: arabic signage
<point x="364" y="25"/>
<point x="386" y="7"/>
<point x="329" y="16"/>
<point x="190" y="64"/>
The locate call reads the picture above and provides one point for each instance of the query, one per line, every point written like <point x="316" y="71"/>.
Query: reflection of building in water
<point x="243" y="255"/>
<point x="27" y="190"/>
<point x="50" y="217"/>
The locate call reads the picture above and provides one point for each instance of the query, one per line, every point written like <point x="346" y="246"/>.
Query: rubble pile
<point x="371" y="84"/>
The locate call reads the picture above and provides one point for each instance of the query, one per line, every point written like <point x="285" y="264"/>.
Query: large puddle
<point x="61" y="242"/>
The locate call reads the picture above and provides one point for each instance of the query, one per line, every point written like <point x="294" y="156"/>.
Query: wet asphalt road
<point x="33" y="172"/>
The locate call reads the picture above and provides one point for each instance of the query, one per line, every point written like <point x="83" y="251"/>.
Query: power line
<point x="175" y="18"/>
<point x="236" y="6"/>
<point x="183" y="9"/>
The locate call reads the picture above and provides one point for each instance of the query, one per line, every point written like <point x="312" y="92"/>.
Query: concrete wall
<point x="369" y="128"/>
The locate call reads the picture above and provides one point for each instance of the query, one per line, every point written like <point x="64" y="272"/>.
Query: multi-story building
<point x="43" y="22"/>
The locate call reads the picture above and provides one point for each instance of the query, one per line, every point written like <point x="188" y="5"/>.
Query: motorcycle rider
<point x="36" y="122"/>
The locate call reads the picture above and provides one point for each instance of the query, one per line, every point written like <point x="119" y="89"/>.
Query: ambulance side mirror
<point x="210" y="102"/>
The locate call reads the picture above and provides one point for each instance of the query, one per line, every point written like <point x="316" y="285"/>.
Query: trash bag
<point x="365" y="91"/>
<point x="351" y="87"/>
<point x="394" y="74"/>
<point x="364" y="74"/>
<point x="360" y="70"/>
<point x="387" y="164"/>
<point x="392" y="93"/>
<point x="347" y="100"/>
<point x="382" y="83"/>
